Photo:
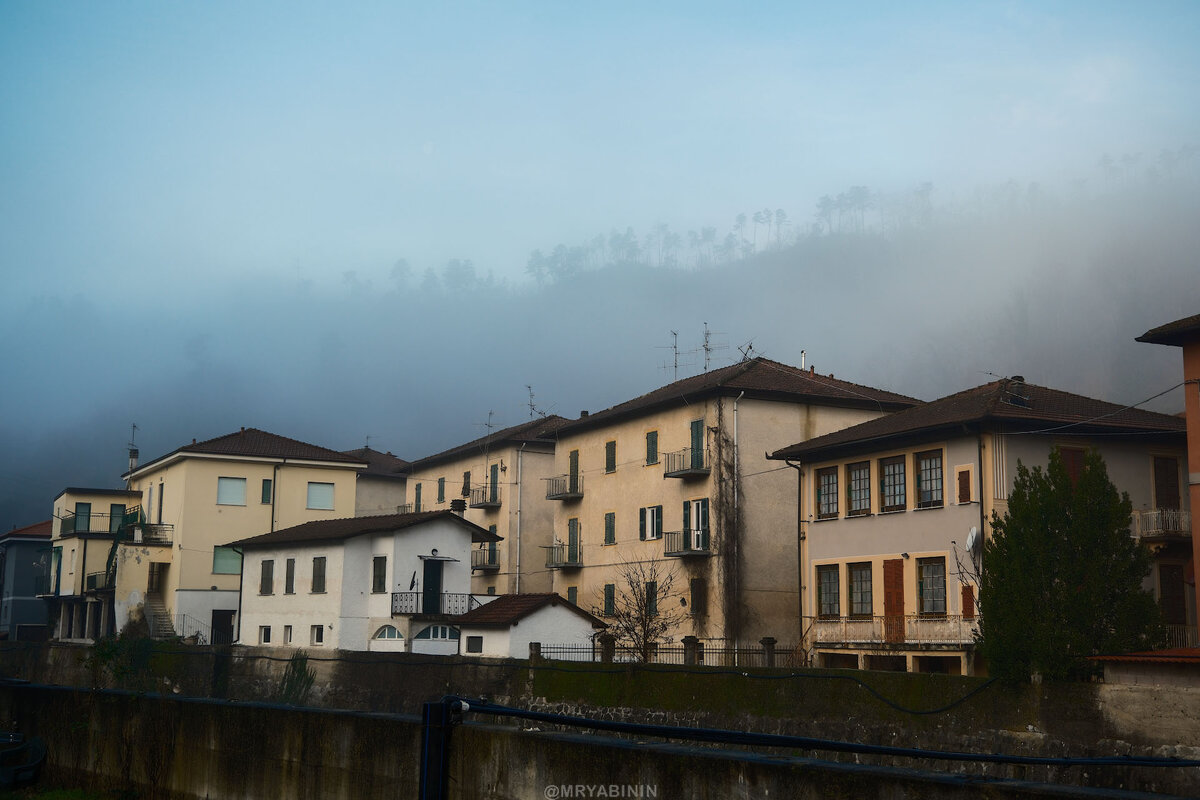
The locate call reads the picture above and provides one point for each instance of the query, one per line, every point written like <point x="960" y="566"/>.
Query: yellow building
<point x="500" y="478"/>
<point x="677" y="482"/>
<point x="895" y="512"/>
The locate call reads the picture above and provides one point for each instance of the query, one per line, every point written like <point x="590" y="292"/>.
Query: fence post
<point x="535" y="652"/>
<point x="437" y="721"/>
<point x="768" y="643"/>
<point x="689" y="650"/>
<point x="608" y="647"/>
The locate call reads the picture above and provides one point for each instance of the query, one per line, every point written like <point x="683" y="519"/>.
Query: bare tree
<point x="644" y="606"/>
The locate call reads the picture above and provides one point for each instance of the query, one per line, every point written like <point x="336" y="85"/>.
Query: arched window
<point x="438" y="632"/>
<point x="388" y="632"/>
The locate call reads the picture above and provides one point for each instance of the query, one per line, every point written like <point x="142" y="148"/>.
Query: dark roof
<point x="1008" y="401"/>
<point x="509" y="608"/>
<point x="103" y="492"/>
<point x="329" y="530"/>
<point x="38" y="530"/>
<point x="535" y="430"/>
<point x="255" y="443"/>
<point x="759" y="378"/>
<point x="379" y="465"/>
<point x="1176" y="655"/>
<point x="1178" y="333"/>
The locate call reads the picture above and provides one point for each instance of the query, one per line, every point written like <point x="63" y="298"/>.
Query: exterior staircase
<point x="157" y="618"/>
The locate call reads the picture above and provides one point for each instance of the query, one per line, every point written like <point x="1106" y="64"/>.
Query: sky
<point x="201" y="205"/>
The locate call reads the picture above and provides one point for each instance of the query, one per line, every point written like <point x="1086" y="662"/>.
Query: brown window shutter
<point x="968" y="601"/>
<point x="964" y="486"/>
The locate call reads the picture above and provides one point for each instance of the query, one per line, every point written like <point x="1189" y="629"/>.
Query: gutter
<point x="237" y="634"/>
<point x="520" y="491"/>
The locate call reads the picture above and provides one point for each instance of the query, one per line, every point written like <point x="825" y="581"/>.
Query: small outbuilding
<point x="504" y="627"/>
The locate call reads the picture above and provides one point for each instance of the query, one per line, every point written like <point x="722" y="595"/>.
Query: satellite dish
<point x="973" y="540"/>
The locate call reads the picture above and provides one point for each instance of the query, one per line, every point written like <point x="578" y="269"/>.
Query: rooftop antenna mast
<point x="133" y="453"/>
<point x="709" y="347"/>
<point x="674" y="347"/>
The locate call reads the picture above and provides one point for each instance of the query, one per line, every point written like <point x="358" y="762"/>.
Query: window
<point x="266" y="584"/>
<point x="264" y="634"/>
<point x="287" y="634"/>
<point x="964" y="484"/>
<point x="379" y="574"/>
<point x="573" y="595"/>
<point x="289" y="576"/>
<point x="652" y="447"/>
<point x="827" y="493"/>
<point x="931" y="585"/>
<point x="116" y="516"/>
<point x="388" y="632"/>
<point x="466" y="487"/>
<point x="860" y="590"/>
<point x="610" y="456"/>
<point x="474" y="644"/>
<point x="929" y="479"/>
<point x="1072" y="458"/>
<point x="230" y="491"/>
<point x="828" y="600"/>
<point x="226" y="561"/>
<point x="610" y="599"/>
<point x="650" y="525"/>
<point x="573" y="471"/>
<point x="438" y="632"/>
<point x="858" y="489"/>
<point x="320" y="495"/>
<point x="699" y="592"/>
<point x="268" y="490"/>
<point x="491" y="590"/>
<point x="83" y="517"/>
<point x="494" y="484"/>
<point x="417" y="499"/>
<point x="441" y="490"/>
<point x="1166" y="482"/>
<point x="318" y="635"/>
<point x="652" y="598"/>
<point x="695" y="524"/>
<point x="162" y="491"/>
<point x="892" y="484"/>
<point x="610" y="528"/>
<point x="318" y="579"/>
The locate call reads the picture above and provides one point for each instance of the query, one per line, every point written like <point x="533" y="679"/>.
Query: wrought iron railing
<point x="485" y="497"/>
<point x="158" y="533"/>
<point x="1151" y="522"/>
<point x="448" y="603"/>
<point x="1181" y="636"/>
<point x="686" y="463"/>
<point x="485" y="558"/>
<point x="686" y="543"/>
<point x="192" y="629"/>
<point x="565" y="487"/>
<point x="565" y="555"/>
<point x="89" y="523"/>
<point x="915" y="629"/>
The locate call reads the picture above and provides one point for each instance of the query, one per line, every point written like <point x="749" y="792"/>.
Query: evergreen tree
<point x="1062" y="577"/>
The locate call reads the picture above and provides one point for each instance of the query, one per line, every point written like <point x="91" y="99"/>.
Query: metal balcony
<point x="485" y="497"/>
<point x="565" y="555"/>
<point x="565" y="487"/>
<point x="686" y="463"/>
<point x="444" y="603"/>
<point x="486" y="559"/>
<point x="910" y="630"/>
<point x="682" y="544"/>
<point x="1162" y="524"/>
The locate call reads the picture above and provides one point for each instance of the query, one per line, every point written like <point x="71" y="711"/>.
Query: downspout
<point x="799" y="547"/>
<point x="520" y="488"/>
<point x="979" y="570"/>
<point x="737" y="519"/>
<point x="237" y="635"/>
<point x="274" y="489"/>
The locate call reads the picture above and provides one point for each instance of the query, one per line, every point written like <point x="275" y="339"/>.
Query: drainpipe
<point x="520" y="487"/>
<point x="799" y="547"/>
<point x="237" y="635"/>
<point x="274" y="489"/>
<point x="981" y="510"/>
<point x="737" y="519"/>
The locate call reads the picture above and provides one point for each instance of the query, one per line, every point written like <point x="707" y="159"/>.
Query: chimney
<point x="583" y="414"/>
<point x="458" y="506"/>
<point x="133" y="458"/>
<point x="812" y="369"/>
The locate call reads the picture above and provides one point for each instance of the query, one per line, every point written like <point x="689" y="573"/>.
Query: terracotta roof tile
<point x="1175" y="655"/>
<point x="379" y="465"/>
<point x="256" y="443"/>
<point x="328" y="530"/>
<point x="509" y="608"/>
<point x="1177" y="333"/>
<point x="541" y="429"/>
<point x="40" y="530"/>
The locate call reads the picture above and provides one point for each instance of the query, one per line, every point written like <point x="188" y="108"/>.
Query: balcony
<point x="565" y="555"/>
<point x="146" y="533"/>
<point x="682" y="544"/>
<point x="72" y="524"/>
<point x="97" y="581"/>
<point x="485" y="497"/>
<point x="565" y="487"/>
<point x="407" y="508"/>
<point x="687" y="463"/>
<point x="910" y="630"/>
<point x="1161" y="525"/>
<point x="486" y="559"/>
<point x="444" y="603"/>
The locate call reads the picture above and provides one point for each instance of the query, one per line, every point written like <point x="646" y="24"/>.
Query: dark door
<point x="893" y="600"/>
<point x="1171" y="596"/>
<point x="431" y="589"/>
<point x="1166" y="482"/>
<point x="222" y="627"/>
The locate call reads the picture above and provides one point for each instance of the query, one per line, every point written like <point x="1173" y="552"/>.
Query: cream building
<point x="678" y="481"/>
<point x="501" y="479"/>
<point x="895" y="512"/>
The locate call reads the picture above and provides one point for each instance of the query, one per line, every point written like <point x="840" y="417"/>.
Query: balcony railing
<point x="686" y="463"/>
<point x="1181" y="636"/>
<point x="406" y="508"/>
<point x="487" y="558"/>
<point x="42" y="586"/>
<point x="485" y="497"/>
<point x="564" y="487"/>
<point x="445" y="603"/>
<point x="1155" y="523"/>
<point x="89" y="523"/>
<point x="686" y="543"/>
<point x="565" y="555"/>
<point x="96" y="581"/>
<point x="910" y="629"/>
<point x="146" y="533"/>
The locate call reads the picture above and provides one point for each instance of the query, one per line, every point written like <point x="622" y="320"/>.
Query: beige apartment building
<point x="678" y="481"/>
<point x="500" y="479"/>
<point x="894" y="513"/>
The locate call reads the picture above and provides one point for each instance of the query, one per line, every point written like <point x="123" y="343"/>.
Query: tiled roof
<point x="1175" y="655"/>
<point x="327" y="530"/>
<point x="540" y="429"/>
<point x="1014" y="403"/>
<point x="40" y="530"/>
<point x="379" y="465"/>
<point x="757" y="377"/>
<point x="509" y="608"/>
<point x="255" y="443"/>
<point x="1178" y="333"/>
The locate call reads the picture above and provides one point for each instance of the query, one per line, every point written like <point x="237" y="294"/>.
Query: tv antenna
<point x="709" y="347"/>
<point x="747" y="350"/>
<point x="674" y="347"/>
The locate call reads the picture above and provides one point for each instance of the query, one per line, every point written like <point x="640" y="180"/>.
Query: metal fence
<point x="448" y="603"/>
<point x="709" y="653"/>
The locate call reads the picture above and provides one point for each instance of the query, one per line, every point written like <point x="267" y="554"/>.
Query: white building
<point x="504" y="627"/>
<point x="393" y="582"/>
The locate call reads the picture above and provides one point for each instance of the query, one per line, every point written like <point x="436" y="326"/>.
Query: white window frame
<point x="231" y="491"/>
<point x="317" y="635"/>
<point x="317" y="502"/>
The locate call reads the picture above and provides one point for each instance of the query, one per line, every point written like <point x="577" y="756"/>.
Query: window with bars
<point x="827" y="493"/>
<point x="860" y="590"/>
<point x="858" y="489"/>
<point x="892" y="484"/>
<point x="828" y="601"/>
<point x="931" y="585"/>
<point x="929" y="479"/>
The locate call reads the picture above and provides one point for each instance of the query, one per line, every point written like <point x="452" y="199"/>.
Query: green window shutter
<point x="610" y="456"/>
<point x="495" y="483"/>
<point x="610" y="599"/>
<point x="687" y="516"/>
<point x="703" y="523"/>
<point x="658" y="522"/>
<point x="610" y="528"/>
<point x="652" y="598"/>
<point x="642" y="523"/>
<point x="652" y="447"/>
<point x="573" y="595"/>
<point x="441" y="490"/>
<point x="417" y="498"/>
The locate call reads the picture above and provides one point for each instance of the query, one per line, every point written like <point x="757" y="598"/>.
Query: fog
<point x="386" y="229"/>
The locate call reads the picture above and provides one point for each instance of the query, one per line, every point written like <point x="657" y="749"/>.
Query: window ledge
<point x="930" y="508"/>
<point x="894" y="511"/>
<point x="859" y="515"/>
